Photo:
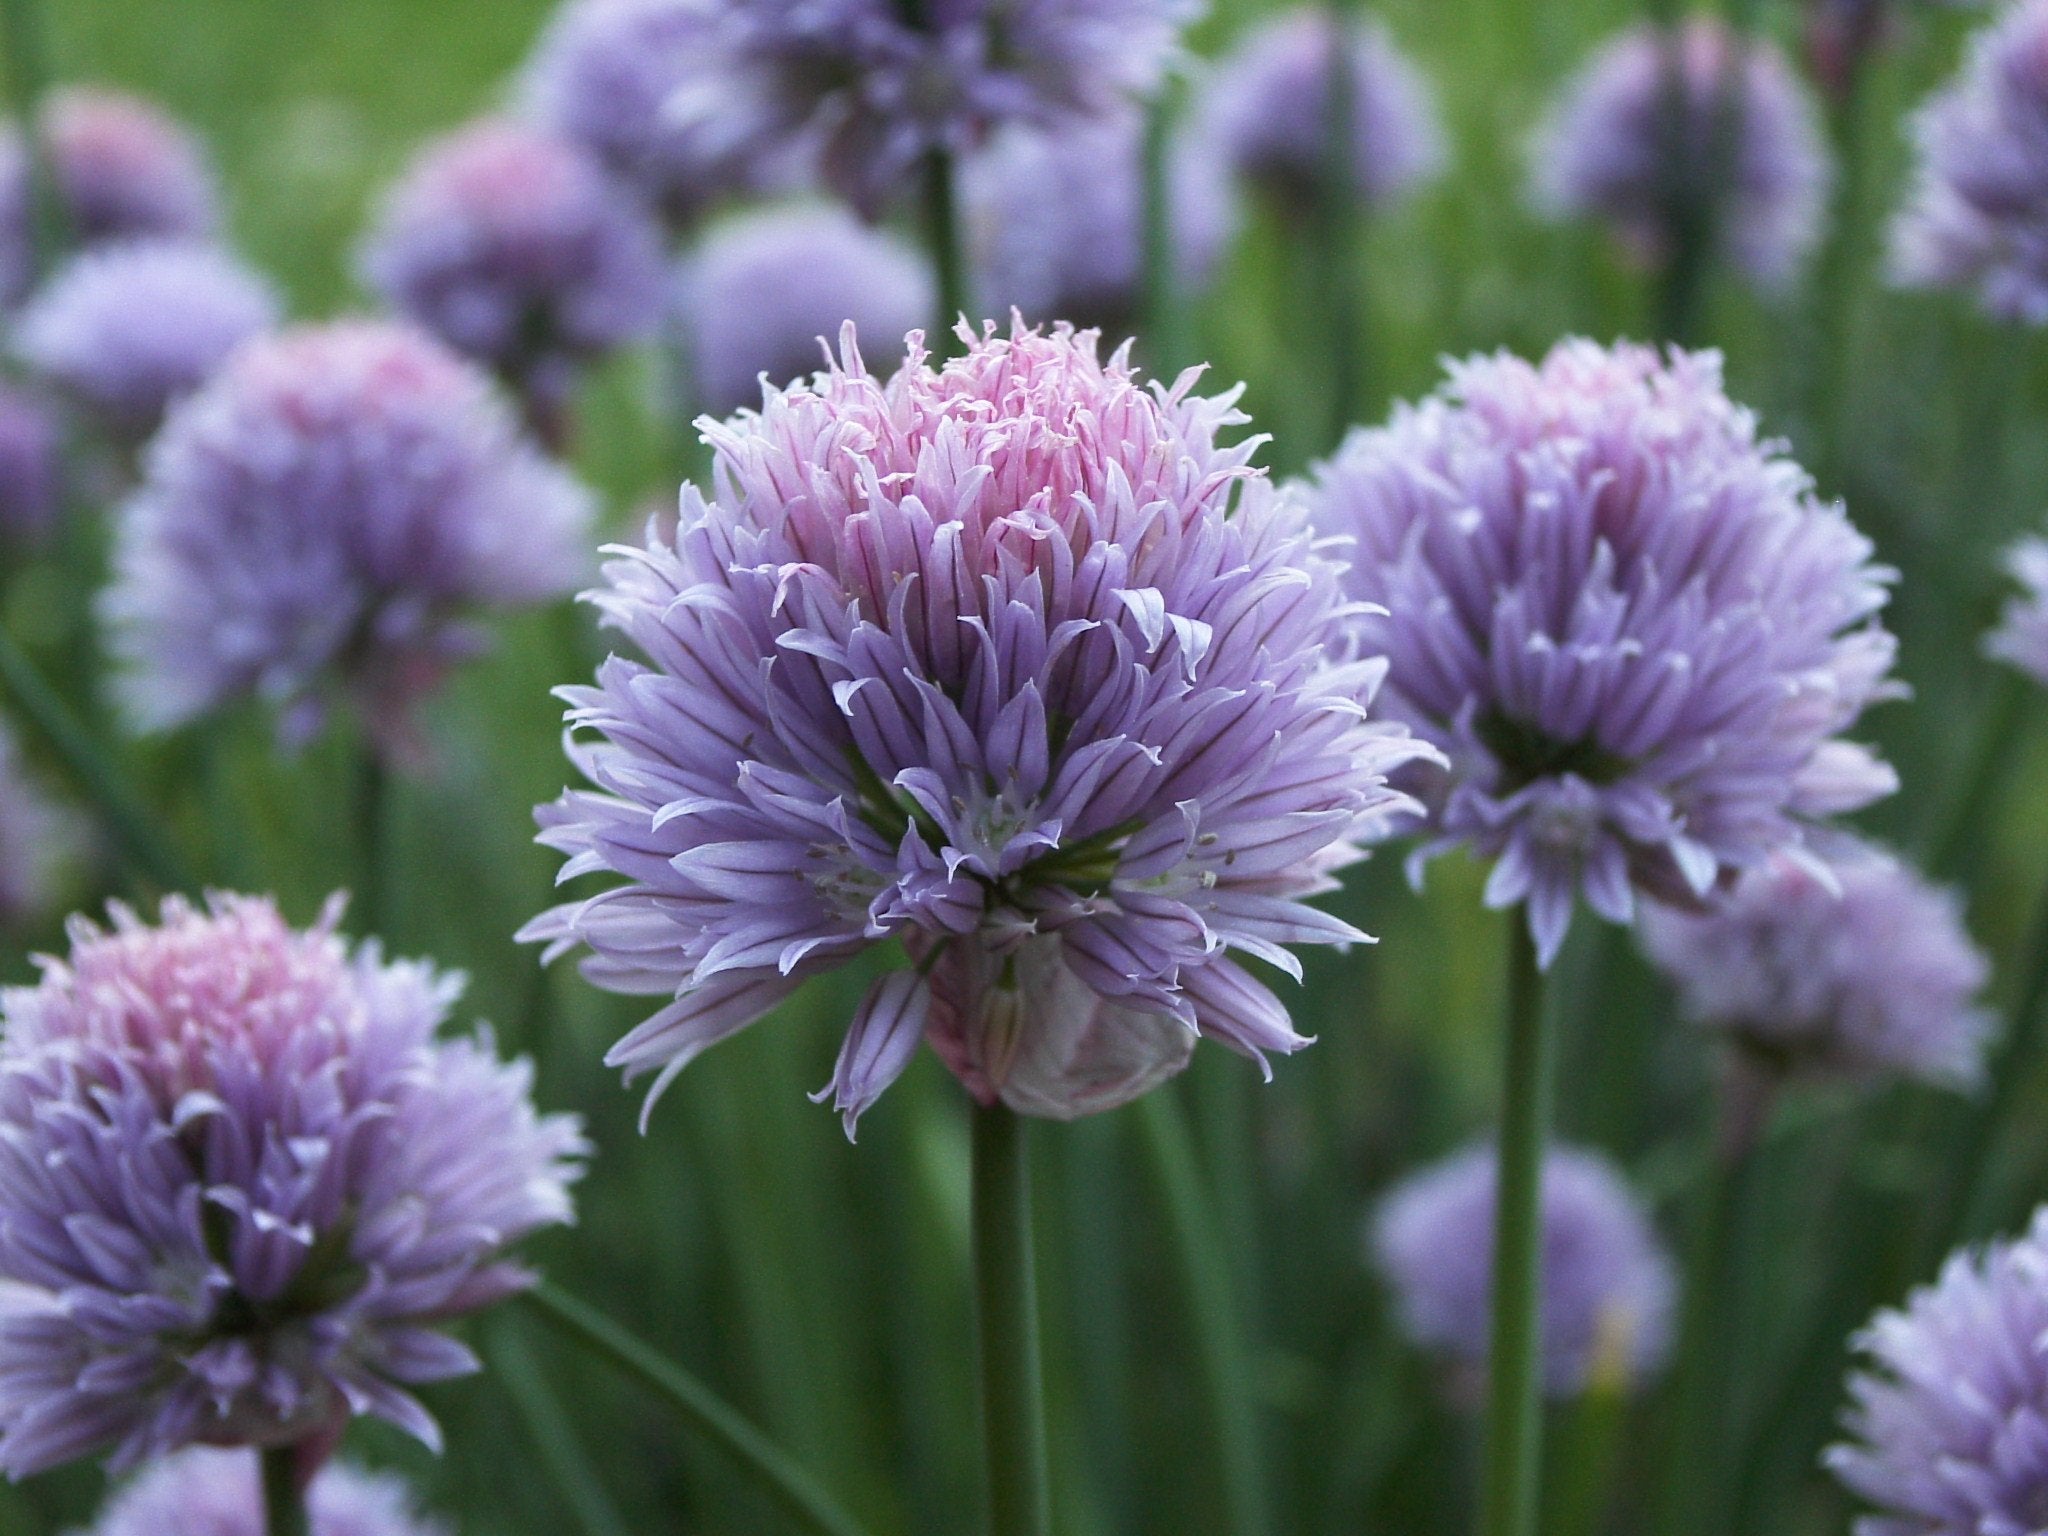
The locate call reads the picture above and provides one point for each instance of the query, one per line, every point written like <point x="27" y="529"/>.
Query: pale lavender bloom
<point x="216" y="1493"/>
<point x="2021" y="638"/>
<point x="1009" y="660"/>
<point x="125" y="171"/>
<point x="1834" y="961"/>
<point x="764" y="289"/>
<point x="31" y="467"/>
<point x="1626" y="619"/>
<point x="516" y="248"/>
<point x="1749" y="138"/>
<point x="1608" y="1285"/>
<point x="320" y="516"/>
<point x="1949" y="1416"/>
<point x="126" y="330"/>
<point x="246" y="1185"/>
<point x="1977" y="213"/>
<point x="1267" y="107"/>
<point x="1055" y="219"/>
<point x="40" y="841"/>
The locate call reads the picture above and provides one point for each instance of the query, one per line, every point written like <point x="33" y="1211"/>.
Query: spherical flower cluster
<point x="1608" y="1285"/>
<point x="516" y="248"/>
<point x="1267" y="109"/>
<point x="1946" y="1416"/>
<point x="1055" y="219"/>
<point x="125" y="171"/>
<point x="321" y="513"/>
<point x="216" y="1493"/>
<point x="39" y="841"/>
<point x="31" y="467"/>
<point x="125" y="330"/>
<point x="1832" y="963"/>
<point x="247" y="1184"/>
<point x="764" y="289"/>
<point x="1627" y="620"/>
<point x="1977" y="214"/>
<point x="2021" y="638"/>
<point x="1019" y="665"/>
<point x="1748" y="141"/>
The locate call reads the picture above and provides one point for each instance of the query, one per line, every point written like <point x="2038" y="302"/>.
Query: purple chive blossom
<point x="1626" y="619"/>
<point x="763" y="289"/>
<point x="319" y="517"/>
<point x="1267" y="107"/>
<point x="125" y="330"/>
<point x="1835" y="963"/>
<point x="1752" y="132"/>
<point x="1019" y="666"/>
<point x="1947" y="1416"/>
<point x="1977" y="214"/>
<point x="277" y="1185"/>
<point x="1055" y="219"/>
<point x="1608" y="1285"/>
<point x="216" y="1493"/>
<point x="40" y="842"/>
<point x="125" y="171"/>
<point x="2021" y="638"/>
<point x="516" y="248"/>
<point x="31" y="467"/>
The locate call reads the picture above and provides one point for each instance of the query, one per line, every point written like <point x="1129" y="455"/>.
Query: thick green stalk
<point x="1510" y="1493"/>
<point x="780" y="1478"/>
<point x="373" y="829"/>
<point x="28" y="75"/>
<point x="949" y="262"/>
<point x="1161" y="320"/>
<point x="284" y="1500"/>
<point x="1980" y="786"/>
<point x="1006" y="1317"/>
<point x="540" y="1408"/>
<point x="1339" y="211"/>
<point x="1205" y="1276"/>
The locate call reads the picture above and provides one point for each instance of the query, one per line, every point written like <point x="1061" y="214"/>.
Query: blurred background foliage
<point x="822" y="1286"/>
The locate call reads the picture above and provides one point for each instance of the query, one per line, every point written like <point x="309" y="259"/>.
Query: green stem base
<point x="1006" y="1304"/>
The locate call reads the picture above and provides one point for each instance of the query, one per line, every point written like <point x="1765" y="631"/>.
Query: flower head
<point x="125" y="171"/>
<point x="277" y="1184"/>
<point x="764" y="290"/>
<point x="2021" y="638"/>
<point x="1608" y="1285"/>
<point x="1749" y="139"/>
<point x="31" y="467"/>
<point x="320" y="514"/>
<point x="516" y="248"/>
<point x="216" y="1493"/>
<point x="1055" y="219"/>
<point x="1626" y="619"/>
<point x="125" y="330"/>
<point x="1835" y="962"/>
<point x="1267" y="109"/>
<point x="1020" y="666"/>
<point x="1945" y="1417"/>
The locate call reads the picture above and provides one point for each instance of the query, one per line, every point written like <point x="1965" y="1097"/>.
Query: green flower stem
<point x="373" y="829"/>
<point x="1205" y="1276"/>
<point x="132" y="827"/>
<point x="1980" y="785"/>
<point x="1342" y="221"/>
<point x="949" y="262"/>
<point x="771" y="1469"/>
<point x="538" y="1405"/>
<point x="284" y="1500"/>
<point x="1162" y="322"/>
<point x="27" y="67"/>
<point x="1006" y="1316"/>
<point x="1514" y="1410"/>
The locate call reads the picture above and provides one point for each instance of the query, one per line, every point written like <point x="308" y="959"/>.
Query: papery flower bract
<point x="1055" y="219"/>
<point x="1750" y="142"/>
<point x="126" y="329"/>
<point x="2021" y="638"/>
<point x="515" y="247"/>
<point x="1608" y="1285"/>
<point x="208" y="1492"/>
<point x="1834" y="962"/>
<point x="1626" y="619"/>
<point x="125" y="171"/>
<point x="323" y="512"/>
<point x="765" y="289"/>
<point x="1267" y="109"/>
<point x="1009" y="660"/>
<point x="1946" y="1414"/>
<point x="31" y="467"/>
<point x="246" y="1185"/>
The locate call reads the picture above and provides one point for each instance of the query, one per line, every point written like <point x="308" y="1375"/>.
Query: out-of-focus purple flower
<point x="1748" y="140"/>
<point x="1977" y="213"/>
<point x="1832" y="962"/>
<point x="276" y="1186"/>
<point x="126" y="330"/>
<point x="1627" y="620"/>
<point x="31" y="467"/>
<point x="1608" y="1285"/>
<point x="1055" y="219"/>
<point x="39" y="841"/>
<point x="1019" y="666"/>
<point x="2021" y="638"/>
<point x="125" y="171"/>
<point x="516" y="248"/>
<point x="764" y="289"/>
<point x="320" y="515"/>
<point x="1267" y="109"/>
<point x="216" y="1493"/>
<point x="1946" y="1416"/>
